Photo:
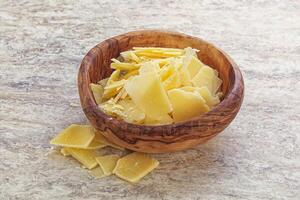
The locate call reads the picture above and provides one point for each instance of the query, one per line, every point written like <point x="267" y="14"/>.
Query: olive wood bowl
<point x="163" y="138"/>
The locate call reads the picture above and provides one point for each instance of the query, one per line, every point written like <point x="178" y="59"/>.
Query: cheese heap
<point x="82" y="142"/>
<point x="155" y="86"/>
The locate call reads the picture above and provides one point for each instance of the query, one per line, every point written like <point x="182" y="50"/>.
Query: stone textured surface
<point x="42" y="44"/>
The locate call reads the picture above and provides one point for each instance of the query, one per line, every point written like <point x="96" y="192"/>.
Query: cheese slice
<point x="207" y="77"/>
<point x="77" y="136"/>
<point x="192" y="65"/>
<point x="107" y="163"/>
<point x="132" y="113"/>
<point x="98" y="91"/>
<point x="172" y="81"/>
<point x="97" y="172"/>
<point x="124" y="66"/>
<point x="64" y="152"/>
<point x="147" y="93"/>
<point x="86" y="157"/>
<point x="149" y="67"/>
<point x="95" y="145"/>
<point x="210" y="100"/>
<point x="131" y="73"/>
<point x="162" y="120"/>
<point x="135" y="166"/>
<point x="186" y="105"/>
<point x="100" y="138"/>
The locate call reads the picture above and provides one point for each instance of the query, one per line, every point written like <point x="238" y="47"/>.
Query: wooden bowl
<point x="165" y="138"/>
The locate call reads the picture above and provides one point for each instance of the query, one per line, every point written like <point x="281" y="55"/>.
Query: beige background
<point x="42" y="44"/>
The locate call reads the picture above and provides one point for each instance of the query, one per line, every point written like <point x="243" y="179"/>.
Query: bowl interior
<point x="112" y="48"/>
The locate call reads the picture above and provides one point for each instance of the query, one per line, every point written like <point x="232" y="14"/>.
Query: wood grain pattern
<point x="166" y="138"/>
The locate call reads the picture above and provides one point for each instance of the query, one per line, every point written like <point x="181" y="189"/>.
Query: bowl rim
<point x="235" y="91"/>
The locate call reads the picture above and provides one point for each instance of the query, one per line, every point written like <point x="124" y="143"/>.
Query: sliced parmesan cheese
<point x="97" y="172"/>
<point x="172" y="81"/>
<point x="131" y="73"/>
<point x="100" y="138"/>
<point x="86" y="157"/>
<point x="162" y="120"/>
<point x="209" y="98"/>
<point x="147" y="67"/>
<point x="132" y="113"/>
<point x="192" y="65"/>
<point x="107" y="163"/>
<point x="124" y="66"/>
<point x="98" y="91"/>
<point x="135" y="166"/>
<point x="148" y="94"/>
<point x="77" y="136"/>
<point x="64" y="152"/>
<point x="207" y="77"/>
<point x="205" y="93"/>
<point x="186" y="105"/>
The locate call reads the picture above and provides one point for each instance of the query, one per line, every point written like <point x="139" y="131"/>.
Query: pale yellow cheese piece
<point x="158" y="53"/>
<point x="64" y="152"/>
<point x="166" y="72"/>
<point x="209" y="98"/>
<point x="113" y="77"/>
<point x="132" y="113"/>
<point x="172" y="81"/>
<point x="129" y="56"/>
<point x="97" y="172"/>
<point x="77" y="136"/>
<point x="207" y="77"/>
<point x="150" y="49"/>
<point x="135" y="166"/>
<point x="103" y="82"/>
<point x="124" y="66"/>
<point x="186" y="105"/>
<point x="97" y="92"/>
<point x="95" y="145"/>
<point x="107" y="163"/>
<point x="192" y="65"/>
<point x="100" y="138"/>
<point x="162" y="120"/>
<point x="147" y="67"/>
<point x="205" y="93"/>
<point x="86" y="157"/>
<point x="110" y="107"/>
<point x="131" y="73"/>
<point x="147" y="93"/>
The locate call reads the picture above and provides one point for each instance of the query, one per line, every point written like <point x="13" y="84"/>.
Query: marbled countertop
<point x="42" y="44"/>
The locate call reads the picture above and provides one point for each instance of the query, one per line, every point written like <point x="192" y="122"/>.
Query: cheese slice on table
<point x="97" y="172"/>
<point x="77" y="136"/>
<point x="186" y="105"/>
<point x="135" y="166"/>
<point x="107" y="163"/>
<point x="95" y="145"/>
<point x="86" y="157"/>
<point x="64" y="152"/>
<point x="97" y="92"/>
<point x="148" y="94"/>
<point x="100" y="138"/>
